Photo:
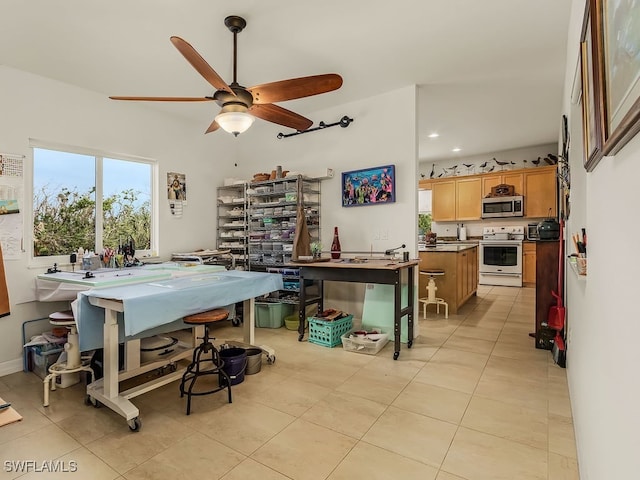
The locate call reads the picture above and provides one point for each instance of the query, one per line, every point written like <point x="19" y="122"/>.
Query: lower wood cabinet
<point x="529" y="264"/>
<point x="460" y="279"/>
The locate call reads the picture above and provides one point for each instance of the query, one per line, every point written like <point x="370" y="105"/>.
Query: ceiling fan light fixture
<point x="235" y="121"/>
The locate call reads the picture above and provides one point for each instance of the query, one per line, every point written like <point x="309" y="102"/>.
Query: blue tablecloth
<point x="159" y="306"/>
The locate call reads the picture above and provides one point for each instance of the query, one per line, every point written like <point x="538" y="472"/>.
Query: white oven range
<point x="501" y="256"/>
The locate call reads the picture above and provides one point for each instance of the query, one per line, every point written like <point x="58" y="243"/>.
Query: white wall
<point x="35" y="107"/>
<point x="371" y="140"/>
<point x="602" y="352"/>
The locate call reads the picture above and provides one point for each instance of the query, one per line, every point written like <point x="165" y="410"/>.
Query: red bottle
<point x="335" y="245"/>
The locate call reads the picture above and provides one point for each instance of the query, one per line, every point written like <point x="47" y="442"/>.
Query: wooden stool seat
<point x="206" y="358"/>
<point x="209" y="316"/>
<point x="433" y="271"/>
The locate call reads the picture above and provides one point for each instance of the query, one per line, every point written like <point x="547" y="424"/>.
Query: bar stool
<point x="73" y="364"/>
<point x="211" y="353"/>
<point x="431" y="293"/>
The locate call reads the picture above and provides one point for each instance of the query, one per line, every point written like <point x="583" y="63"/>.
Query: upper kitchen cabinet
<point x="499" y="178"/>
<point x="443" y="198"/>
<point x="540" y="192"/>
<point x="468" y="198"/>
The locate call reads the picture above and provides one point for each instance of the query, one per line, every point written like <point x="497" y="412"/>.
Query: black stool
<point x="211" y="355"/>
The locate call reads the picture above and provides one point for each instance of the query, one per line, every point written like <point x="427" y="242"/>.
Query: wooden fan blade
<point x="281" y="116"/>
<point x="164" y="99"/>
<point x="200" y="64"/>
<point x="213" y="127"/>
<point x="295" y="88"/>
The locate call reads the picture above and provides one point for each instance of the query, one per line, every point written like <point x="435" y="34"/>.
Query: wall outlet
<point x="376" y="235"/>
<point x="384" y="234"/>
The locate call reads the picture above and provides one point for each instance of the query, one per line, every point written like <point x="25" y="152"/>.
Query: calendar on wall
<point x="11" y="205"/>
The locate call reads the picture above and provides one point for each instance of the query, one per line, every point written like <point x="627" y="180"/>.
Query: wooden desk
<point x="383" y="271"/>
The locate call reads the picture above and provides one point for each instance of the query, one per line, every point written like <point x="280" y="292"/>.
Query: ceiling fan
<point x="240" y="104"/>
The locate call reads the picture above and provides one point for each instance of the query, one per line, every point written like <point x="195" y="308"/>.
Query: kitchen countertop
<point x="449" y="247"/>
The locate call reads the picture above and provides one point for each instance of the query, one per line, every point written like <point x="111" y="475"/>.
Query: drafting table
<point x="158" y="304"/>
<point x="383" y="271"/>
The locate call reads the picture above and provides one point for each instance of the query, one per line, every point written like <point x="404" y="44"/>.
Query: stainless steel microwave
<point x="500" y="207"/>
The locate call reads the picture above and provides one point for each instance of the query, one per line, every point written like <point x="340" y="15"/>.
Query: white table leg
<point x="110" y="353"/>
<point x="249" y="321"/>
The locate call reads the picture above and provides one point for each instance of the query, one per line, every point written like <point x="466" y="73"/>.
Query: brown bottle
<point x="335" y="245"/>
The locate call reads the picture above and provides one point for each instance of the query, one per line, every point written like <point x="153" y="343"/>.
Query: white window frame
<point x="63" y="260"/>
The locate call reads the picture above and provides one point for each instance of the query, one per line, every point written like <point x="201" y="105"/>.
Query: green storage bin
<point x="271" y="315"/>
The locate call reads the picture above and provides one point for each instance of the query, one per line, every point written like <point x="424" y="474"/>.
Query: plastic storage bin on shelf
<point x="328" y="333"/>
<point x="271" y="315"/>
<point x="370" y="343"/>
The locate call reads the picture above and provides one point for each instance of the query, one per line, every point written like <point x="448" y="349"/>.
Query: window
<point x="90" y="200"/>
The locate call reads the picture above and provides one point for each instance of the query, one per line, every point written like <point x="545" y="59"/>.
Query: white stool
<point x="431" y="293"/>
<point x="73" y="365"/>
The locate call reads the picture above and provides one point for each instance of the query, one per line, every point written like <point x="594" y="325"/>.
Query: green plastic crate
<point x="328" y="333"/>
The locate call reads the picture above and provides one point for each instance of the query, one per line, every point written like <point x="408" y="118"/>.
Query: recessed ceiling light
<point x="456" y="149"/>
<point x="434" y="135"/>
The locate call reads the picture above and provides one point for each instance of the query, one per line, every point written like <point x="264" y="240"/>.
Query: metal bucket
<point x="254" y="360"/>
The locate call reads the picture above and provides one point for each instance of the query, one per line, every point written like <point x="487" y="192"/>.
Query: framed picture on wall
<point x="591" y="88"/>
<point x="617" y="27"/>
<point x="370" y="186"/>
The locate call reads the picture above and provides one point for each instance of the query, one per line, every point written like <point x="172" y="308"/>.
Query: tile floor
<point x="471" y="400"/>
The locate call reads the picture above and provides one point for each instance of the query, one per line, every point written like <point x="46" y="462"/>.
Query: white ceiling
<point x="490" y="72"/>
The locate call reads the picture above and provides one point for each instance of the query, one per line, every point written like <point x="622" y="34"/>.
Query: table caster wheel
<point x="300" y="337"/>
<point x="172" y="367"/>
<point x="271" y="359"/>
<point x="89" y="400"/>
<point x="236" y="322"/>
<point x="409" y="343"/>
<point x="396" y="355"/>
<point x="135" y="424"/>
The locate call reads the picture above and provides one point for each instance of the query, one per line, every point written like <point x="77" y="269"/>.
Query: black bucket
<point x="235" y="363"/>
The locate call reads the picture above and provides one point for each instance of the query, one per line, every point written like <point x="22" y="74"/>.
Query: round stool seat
<point x="63" y="319"/>
<point x="209" y="316"/>
<point x="433" y="271"/>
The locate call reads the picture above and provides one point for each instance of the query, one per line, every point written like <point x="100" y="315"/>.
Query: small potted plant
<point x="316" y="249"/>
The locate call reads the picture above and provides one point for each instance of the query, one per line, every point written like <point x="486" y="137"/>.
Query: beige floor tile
<point x="512" y="422"/>
<point x="345" y="413"/>
<point x="91" y="424"/>
<point x="379" y="386"/>
<point x="80" y="463"/>
<point x="45" y="444"/>
<point x="433" y="401"/>
<point x="372" y="463"/>
<point x="453" y="369"/>
<point x="249" y="469"/>
<point x="415" y="436"/>
<point x="293" y="396"/>
<point x="442" y="475"/>
<point x="242" y="425"/>
<point x="196" y="456"/>
<point x="562" y="468"/>
<point x="519" y="391"/>
<point x="305" y="451"/>
<point x="158" y="433"/>
<point x="469" y="344"/>
<point x="32" y="420"/>
<point x="562" y="436"/>
<point x="479" y="456"/>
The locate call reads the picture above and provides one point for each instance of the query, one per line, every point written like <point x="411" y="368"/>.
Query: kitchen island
<point x="460" y="279"/>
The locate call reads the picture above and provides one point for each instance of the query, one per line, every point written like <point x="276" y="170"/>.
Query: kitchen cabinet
<point x="460" y="280"/>
<point x="540" y="190"/>
<point x="443" y="201"/>
<point x="460" y="198"/>
<point x="529" y="264"/>
<point x="468" y="199"/>
<point x="515" y="178"/>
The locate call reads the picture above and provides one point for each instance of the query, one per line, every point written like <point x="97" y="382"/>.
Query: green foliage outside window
<point x="66" y="221"/>
<point x="424" y="223"/>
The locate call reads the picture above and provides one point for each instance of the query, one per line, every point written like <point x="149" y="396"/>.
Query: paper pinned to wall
<point x="11" y="204"/>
